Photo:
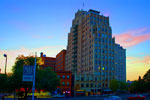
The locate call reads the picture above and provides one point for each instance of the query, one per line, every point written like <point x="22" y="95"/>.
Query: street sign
<point x="27" y="73"/>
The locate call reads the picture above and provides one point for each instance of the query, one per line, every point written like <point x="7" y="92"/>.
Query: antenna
<point x="83" y="5"/>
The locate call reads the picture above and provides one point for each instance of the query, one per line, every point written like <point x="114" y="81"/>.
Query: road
<point x="123" y="97"/>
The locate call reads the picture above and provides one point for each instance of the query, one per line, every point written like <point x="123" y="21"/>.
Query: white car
<point x="113" y="98"/>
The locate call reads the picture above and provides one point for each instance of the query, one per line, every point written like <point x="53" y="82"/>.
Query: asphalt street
<point x="123" y="97"/>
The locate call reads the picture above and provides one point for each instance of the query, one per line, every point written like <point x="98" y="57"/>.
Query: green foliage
<point x="133" y="87"/>
<point x="46" y="79"/>
<point x="118" y="85"/>
<point x="141" y="85"/>
<point x="3" y="82"/>
<point x="147" y="76"/>
<point x="123" y="86"/>
<point x="146" y="79"/>
<point x="114" y="85"/>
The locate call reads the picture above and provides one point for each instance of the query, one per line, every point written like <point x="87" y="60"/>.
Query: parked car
<point x="59" y="96"/>
<point x="137" y="97"/>
<point x="113" y="98"/>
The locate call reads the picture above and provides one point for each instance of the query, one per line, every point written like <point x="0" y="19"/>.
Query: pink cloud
<point x="107" y="14"/>
<point x="134" y="60"/>
<point x="132" y="37"/>
<point x="146" y="60"/>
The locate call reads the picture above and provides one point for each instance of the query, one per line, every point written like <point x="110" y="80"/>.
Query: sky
<point x="29" y="26"/>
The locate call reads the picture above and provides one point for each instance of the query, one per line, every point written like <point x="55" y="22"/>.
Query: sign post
<point x="29" y="75"/>
<point x="34" y="71"/>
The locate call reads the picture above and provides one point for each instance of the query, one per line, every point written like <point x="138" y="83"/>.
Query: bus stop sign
<point x="28" y="73"/>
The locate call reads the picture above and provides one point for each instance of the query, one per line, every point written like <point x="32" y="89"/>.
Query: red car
<point x="136" y="97"/>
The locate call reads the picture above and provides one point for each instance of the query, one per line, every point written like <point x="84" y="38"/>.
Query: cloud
<point x="133" y="37"/>
<point x="137" y="66"/>
<point x="50" y="51"/>
<point x="146" y="60"/>
<point x="134" y="60"/>
<point x="107" y="14"/>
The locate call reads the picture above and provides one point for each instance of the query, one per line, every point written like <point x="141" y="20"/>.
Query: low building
<point x="48" y="61"/>
<point x="60" y="61"/>
<point x="65" y="82"/>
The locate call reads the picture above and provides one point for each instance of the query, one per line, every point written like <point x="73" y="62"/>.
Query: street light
<point x="5" y="62"/>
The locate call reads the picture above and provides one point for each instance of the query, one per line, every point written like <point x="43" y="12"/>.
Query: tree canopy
<point x="114" y="85"/>
<point x="118" y="85"/>
<point x="141" y="85"/>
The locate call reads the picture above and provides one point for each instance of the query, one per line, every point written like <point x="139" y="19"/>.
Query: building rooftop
<point x="91" y="10"/>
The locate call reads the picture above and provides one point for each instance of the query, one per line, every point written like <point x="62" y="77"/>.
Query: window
<point x="68" y="76"/>
<point x="63" y="83"/>
<point x="58" y="76"/>
<point x="91" y="85"/>
<point x="87" y="77"/>
<point x="82" y="85"/>
<point x="95" y="78"/>
<point x="82" y="78"/>
<point x="99" y="85"/>
<point x="63" y="76"/>
<point x="67" y="83"/>
<point x="102" y="29"/>
<point x="87" y="85"/>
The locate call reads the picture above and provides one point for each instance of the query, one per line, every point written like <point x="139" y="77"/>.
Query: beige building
<point x="90" y="48"/>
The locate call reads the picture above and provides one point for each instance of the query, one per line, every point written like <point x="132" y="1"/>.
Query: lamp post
<point x="5" y="62"/>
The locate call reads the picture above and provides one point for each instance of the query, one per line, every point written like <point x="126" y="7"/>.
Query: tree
<point x="3" y="83"/>
<point x="138" y="86"/>
<point x="114" y="85"/>
<point x="141" y="85"/>
<point x="46" y="79"/>
<point x="133" y="87"/>
<point x="146" y="79"/>
<point x="123" y="86"/>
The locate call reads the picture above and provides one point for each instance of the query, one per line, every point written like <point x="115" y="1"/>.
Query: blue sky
<point x="34" y="24"/>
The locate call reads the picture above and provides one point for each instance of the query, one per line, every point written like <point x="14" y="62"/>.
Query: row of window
<point x="99" y="61"/>
<point x="106" y="77"/>
<point x="103" y="40"/>
<point x="63" y="76"/>
<point x="67" y="84"/>
<point x="92" y="85"/>
<point x="104" y="57"/>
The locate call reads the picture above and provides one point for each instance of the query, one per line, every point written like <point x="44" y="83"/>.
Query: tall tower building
<point x="91" y="48"/>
